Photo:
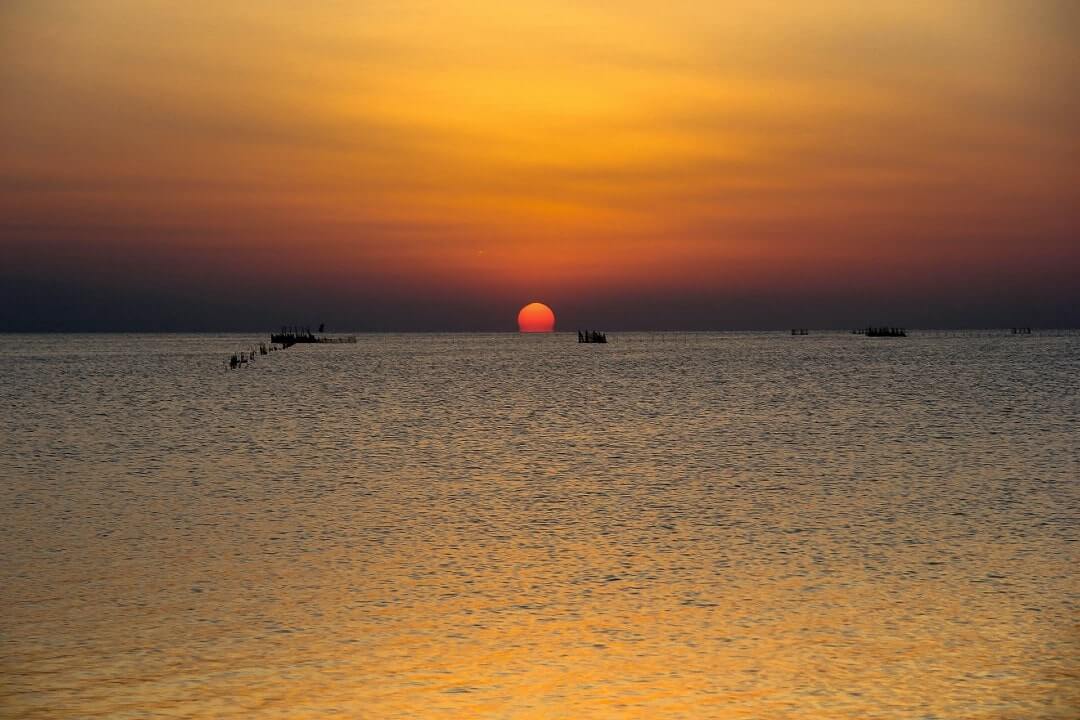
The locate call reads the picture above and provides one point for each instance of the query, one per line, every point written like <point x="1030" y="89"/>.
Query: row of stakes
<point x="241" y="359"/>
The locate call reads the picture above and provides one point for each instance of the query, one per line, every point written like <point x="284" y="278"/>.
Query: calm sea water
<point x="505" y="526"/>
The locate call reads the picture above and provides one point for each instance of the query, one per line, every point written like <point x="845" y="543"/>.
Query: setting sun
<point x="536" y="318"/>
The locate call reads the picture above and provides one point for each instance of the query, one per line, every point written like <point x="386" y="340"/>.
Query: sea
<point x="706" y="525"/>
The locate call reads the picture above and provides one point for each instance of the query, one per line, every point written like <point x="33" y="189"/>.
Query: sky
<point x="634" y="164"/>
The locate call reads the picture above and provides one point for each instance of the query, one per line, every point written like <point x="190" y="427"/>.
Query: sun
<point x="536" y="318"/>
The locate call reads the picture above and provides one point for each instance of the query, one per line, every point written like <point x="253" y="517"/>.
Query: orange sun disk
<point x="536" y="318"/>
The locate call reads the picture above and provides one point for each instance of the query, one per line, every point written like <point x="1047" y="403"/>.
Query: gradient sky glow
<point x="436" y="165"/>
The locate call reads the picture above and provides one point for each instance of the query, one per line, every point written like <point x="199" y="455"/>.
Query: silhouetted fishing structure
<point x="290" y="336"/>
<point x="591" y="337"/>
<point x="881" y="332"/>
<point x="1021" y="331"/>
<point x="799" y="331"/>
<point x="286" y="338"/>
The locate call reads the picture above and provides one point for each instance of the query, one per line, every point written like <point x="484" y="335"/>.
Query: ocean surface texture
<point x="508" y="526"/>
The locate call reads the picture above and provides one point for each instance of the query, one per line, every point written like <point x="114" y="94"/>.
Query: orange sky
<point x="595" y="155"/>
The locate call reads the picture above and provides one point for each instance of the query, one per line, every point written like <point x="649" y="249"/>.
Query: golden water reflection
<point x="481" y="548"/>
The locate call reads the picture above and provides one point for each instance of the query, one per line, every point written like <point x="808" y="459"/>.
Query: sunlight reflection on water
<point x="445" y="526"/>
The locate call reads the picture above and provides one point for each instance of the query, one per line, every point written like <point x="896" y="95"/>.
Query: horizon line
<point x="845" y="330"/>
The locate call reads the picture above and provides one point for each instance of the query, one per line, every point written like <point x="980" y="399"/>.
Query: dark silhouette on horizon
<point x="591" y="337"/>
<point x="290" y="336"/>
<point x="881" y="332"/>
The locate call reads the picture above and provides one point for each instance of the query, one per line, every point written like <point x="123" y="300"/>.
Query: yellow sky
<point x="538" y="143"/>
